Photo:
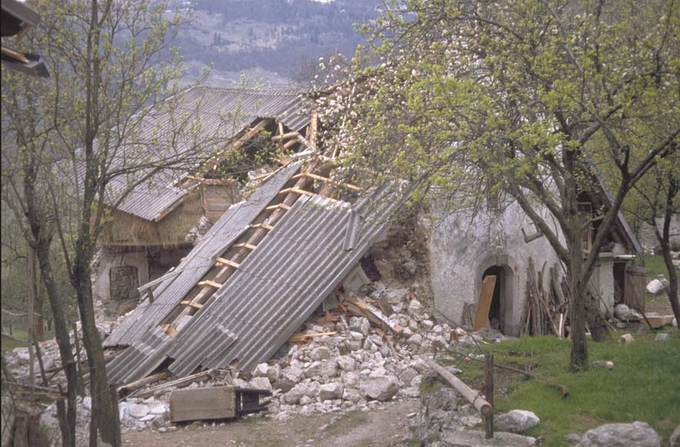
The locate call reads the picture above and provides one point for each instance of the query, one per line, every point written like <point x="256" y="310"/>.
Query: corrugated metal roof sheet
<point x="197" y="263"/>
<point x="221" y="114"/>
<point x="275" y="289"/>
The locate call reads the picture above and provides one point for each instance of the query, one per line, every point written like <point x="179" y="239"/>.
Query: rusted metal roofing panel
<point x="197" y="263"/>
<point x="220" y="114"/>
<point x="281" y="283"/>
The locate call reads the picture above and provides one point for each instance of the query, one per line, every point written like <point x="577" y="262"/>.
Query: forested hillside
<point x="270" y="41"/>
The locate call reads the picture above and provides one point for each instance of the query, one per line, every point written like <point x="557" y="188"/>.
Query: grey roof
<point x="197" y="263"/>
<point x="274" y="290"/>
<point x="220" y="114"/>
<point x="15" y="14"/>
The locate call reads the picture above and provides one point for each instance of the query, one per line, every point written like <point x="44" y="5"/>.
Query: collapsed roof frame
<point x="257" y="275"/>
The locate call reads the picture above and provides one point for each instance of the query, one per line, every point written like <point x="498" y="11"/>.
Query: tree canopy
<point x="530" y="98"/>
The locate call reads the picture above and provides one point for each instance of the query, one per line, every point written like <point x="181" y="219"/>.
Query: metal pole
<point x="488" y="386"/>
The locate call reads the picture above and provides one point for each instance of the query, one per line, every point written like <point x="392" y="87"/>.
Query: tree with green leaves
<point x="656" y="201"/>
<point x="108" y="120"/>
<point x="468" y="97"/>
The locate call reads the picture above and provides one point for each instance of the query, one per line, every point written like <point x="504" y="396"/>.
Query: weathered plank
<point x="485" y="297"/>
<point x="203" y="403"/>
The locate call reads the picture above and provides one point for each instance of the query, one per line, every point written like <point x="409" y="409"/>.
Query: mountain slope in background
<point x="269" y="42"/>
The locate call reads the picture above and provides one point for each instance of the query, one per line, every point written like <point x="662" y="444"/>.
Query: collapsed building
<point x="298" y="240"/>
<point x="254" y="278"/>
<point x="159" y="220"/>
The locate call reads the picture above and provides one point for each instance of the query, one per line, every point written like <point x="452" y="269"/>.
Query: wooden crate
<point x="203" y="403"/>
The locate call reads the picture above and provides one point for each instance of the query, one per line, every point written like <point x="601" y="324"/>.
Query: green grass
<point x="21" y="335"/>
<point x="346" y="423"/>
<point x="655" y="266"/>
<point x="642" y="386"/>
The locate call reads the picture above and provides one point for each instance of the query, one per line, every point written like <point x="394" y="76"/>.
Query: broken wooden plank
<point x="210" y="283"/>
<point x="130" y="387"/>
<point x="290" y="143"/>
<point x="179" y="383"/>
<point x="264" y="226"/>
<point x="301" y="336"/>
<point x="244" y="245"/>
<point x="189" y="303"/>
<point x="278" y="206"/>
<point x="227" y="262"/>
<point x="484" y="305"/>
<point x="656" y="321"/>
<point x="285" y="136"/>
<point x="375" y="316"/>
<point x="328" y="180"/>
<point x="14" y="55"/>
<point x="203" y="403"/>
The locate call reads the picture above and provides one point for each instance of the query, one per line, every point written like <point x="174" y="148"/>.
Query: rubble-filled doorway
<point x="501" y="300"/>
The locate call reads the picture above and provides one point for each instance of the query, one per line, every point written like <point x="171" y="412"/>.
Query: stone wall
<point x="463" y="247"/>
<point x="123" y="267"/>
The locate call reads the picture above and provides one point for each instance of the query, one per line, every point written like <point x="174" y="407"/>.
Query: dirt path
<point x="386" y="426"/>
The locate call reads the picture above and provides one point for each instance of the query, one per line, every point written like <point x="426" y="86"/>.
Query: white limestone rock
<point x="261" y="370"/>
<point x="516" y="421"/>
<point x="138" y="411"/>
<point x="331" y="391"/>
<point x="260" y="383"/>
<point x="379" y="388"/>
<point x="346" y="363"/>
<point x="637" y="434"/>
<point x="675" y="438"/>
<point x="320" y="353"/>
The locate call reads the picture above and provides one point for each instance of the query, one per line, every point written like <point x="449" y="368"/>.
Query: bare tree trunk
<point x="104" y="415"/>
<point x="30" y="270"/>
<point x="577" y="318"/>
<point x="68" y="425"/>
<point x="664" y="240"/>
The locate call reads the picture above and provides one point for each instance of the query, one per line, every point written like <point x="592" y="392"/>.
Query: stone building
<point x="465" y="248"/>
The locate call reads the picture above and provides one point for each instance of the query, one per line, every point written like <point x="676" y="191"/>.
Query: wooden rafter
<point x="228" y="262"/>
<point x="328" y="180"/>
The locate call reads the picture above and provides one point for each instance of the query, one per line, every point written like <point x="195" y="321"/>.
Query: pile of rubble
<point x="352" y="357"/>
<point x="354" y="364"/>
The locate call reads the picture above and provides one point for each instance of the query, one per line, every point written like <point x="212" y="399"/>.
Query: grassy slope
<point x="21" y="335"/>
<point x="642" y="386"/>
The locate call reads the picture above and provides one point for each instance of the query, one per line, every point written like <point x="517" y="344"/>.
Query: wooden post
<point x="471" y="395"/>
<point x="488" y="418"/>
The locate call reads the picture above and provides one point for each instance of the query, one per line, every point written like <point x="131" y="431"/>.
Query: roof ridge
<point x="265" y="91"/>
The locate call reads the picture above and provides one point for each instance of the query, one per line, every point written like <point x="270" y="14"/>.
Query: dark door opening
<point x="497" y="310"/>
<point x="619" y="282"/>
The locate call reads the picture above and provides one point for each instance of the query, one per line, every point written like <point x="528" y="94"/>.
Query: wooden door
<point x="634" y="289"/>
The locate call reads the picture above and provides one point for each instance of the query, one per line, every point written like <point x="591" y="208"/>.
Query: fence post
<point x="488" y="386"/>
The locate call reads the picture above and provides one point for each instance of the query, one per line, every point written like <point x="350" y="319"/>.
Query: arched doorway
<point x="500" y="313"/>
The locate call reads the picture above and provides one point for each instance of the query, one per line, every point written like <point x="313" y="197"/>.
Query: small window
<point x="124" y="281"/>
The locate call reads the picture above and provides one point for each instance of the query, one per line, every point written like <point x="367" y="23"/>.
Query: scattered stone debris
<point x="657" y="285"/>
<point x="516" y="421"/>
<point x="626" y="339"/>
<point x="675" y="438"/>
<point x="572" y="438"/>
<point x="604" y="364"/>
<point x="664" y="336"/>
<point x="637" y="434"/>
<point x="476" y="438"/>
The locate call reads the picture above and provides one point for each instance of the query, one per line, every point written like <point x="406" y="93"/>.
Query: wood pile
<point x="546" y="311"/>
